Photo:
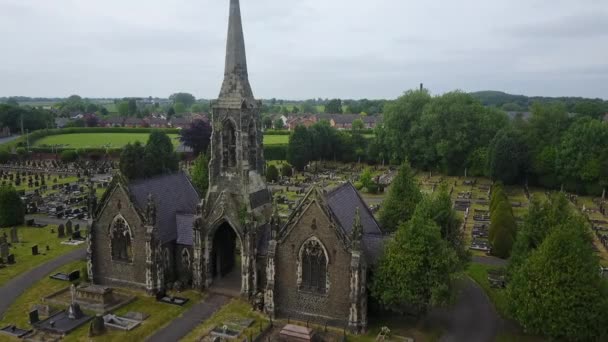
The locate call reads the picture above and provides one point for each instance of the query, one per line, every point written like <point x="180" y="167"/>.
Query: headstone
<point x="74" y="275"/>
<point x="11" y="259"/>
<point x="34" y="318"/>
<point x="61" y="231"/>
<point x="97" y="327"/>
<point x="4" y="250"/>
<point x="76" y="235"/>
<point x="14" y="235"/>
<point x="77" y="227"/>
<point x="68" y="228"/>
<point x="35" y="250"/>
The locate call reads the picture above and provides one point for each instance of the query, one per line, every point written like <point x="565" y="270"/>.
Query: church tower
<point x="238" y="202"/>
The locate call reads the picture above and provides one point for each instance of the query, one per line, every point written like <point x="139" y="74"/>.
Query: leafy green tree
<point x="159" y="155"/>
<point x="508" y="156"/>
<point x="267" y="122"/>
<point x="200" y="174"/>
<point x="417" y="268"/>
<point x="132" y="107"/>
<point x="12" y="209"/>
<point x="272" y="174"/>
<point x="299" y="148"/>
<point x="358" y="125"/>
<point x="399" y="117"/>
<point x="278" y="124"/>
<point x="179" y="107"/>
<point x="170" y="112"/>
<point x="184" y="98"/>
<point x="403" y="196"/>
<point x="558" y="291"/>
<point x="196" y="108"/>
<point x="123" y="108"/>
<point x="286" y="170"/>
<point x="69" y="156"/>
<point x="131" y="161"/>
<point x="5" y="156"/>
<point x="439" y="208"/>
<point x="542" y="217"/>
<point x="334" y="106"/>
<point x="308" y="108"/>
<point x="366" y="178"/>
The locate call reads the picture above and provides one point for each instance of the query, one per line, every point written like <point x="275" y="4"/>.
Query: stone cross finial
<point x="357" y="232"/>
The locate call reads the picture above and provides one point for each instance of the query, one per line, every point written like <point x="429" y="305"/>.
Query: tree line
<point x="454" y="133"/>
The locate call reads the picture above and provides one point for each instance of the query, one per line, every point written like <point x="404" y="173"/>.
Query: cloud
<point x="304" y="48"/>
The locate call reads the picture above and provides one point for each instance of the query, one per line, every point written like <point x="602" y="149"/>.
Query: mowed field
<point x="119" y="140"/>
<point x="88" y="140"/>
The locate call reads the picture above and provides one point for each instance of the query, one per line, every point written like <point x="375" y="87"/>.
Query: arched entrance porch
<point x="225" y="260"/>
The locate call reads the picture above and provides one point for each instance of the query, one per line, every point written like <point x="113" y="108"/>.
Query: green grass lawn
<point x="23" y="252"/>
<point x="160" y="315"/>
<point x="92" y="140"/>
<point x="276" y="139"/>
<point x="18" y="312"/>
<point x="235" y="310"/>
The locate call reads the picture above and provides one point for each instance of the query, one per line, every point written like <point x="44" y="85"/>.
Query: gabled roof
<point x="173" y="195"/>
<point x="343" y="201"/>
<point x="184" y="224"/>
<point x="340" y="205"/>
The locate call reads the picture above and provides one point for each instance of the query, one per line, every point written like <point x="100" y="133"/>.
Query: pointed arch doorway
<point x="225" y="260"/>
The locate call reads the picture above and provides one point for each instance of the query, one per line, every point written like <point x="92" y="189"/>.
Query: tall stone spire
<point x="236" y="80"/>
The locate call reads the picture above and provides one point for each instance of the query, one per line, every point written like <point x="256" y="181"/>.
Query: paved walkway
<point x="471" y="319"/>
<point x="490" y="261"/>
<point x="181" y="326"/>
<point x="15" y="287"/>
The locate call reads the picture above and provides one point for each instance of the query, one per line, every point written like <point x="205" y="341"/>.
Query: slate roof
<point x="173" y="195"/>
<point x="373" y="246"/>
<point x="343" y="202"/>
<point x="184" y="224"/>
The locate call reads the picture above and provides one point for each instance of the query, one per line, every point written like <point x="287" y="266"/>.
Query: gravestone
<point x="61" y="231"/>
<point x="76" y="235"/>
<point x="35" y="250"/>
<point x="68" y="228"/>
<point x="4" y="250"/>
<point x="11" y="259"/>
<point x="97" y="327"/>
<point x="74" y="275"/>
<point x="34" y="317"/>
<point x="14" y="235"/>
<point x="77" y="227"/>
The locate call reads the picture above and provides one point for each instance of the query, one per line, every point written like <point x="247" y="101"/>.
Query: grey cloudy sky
<point x="301" y="49"/>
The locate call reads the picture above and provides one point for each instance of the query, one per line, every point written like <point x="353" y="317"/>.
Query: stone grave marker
<point x="61" y="231"/>
<point x="68" y="228"/>
<point x="11" y="259"/>
<point x="35" y="250"/>
<point x="14" y="235"/>
<point x="4" y="251"/>
<point x="34" y="317"/>
<point x="97" y="326"/>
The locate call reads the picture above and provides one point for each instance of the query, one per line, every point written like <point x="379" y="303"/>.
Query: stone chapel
<point x="153" y="233"/>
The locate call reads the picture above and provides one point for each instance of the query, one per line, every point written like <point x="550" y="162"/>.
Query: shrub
<point x="286" y="170"/>
<point x="68" y="156"/>
<point x="272" y="174"/>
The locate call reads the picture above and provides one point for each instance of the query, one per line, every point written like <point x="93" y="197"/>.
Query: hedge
<point x="276" y="132"/>
<point x="275" y="152"/>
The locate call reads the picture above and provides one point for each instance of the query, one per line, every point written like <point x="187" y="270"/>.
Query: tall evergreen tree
<point x="159" y="155"/>
<point x="299" y="150"/>
<point x="12" y="209"/>
<point x="558" y="291"/>
<point x="131" y="161"/>
<point x="200" y="174"/>
<point x="401" y="201"/>
<point x="417" y="269"/>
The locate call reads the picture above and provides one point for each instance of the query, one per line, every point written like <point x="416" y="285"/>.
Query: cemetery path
<point x="471" y="319"/>
<point x="187" y="322"/>
<point x="489" y="260"/>
<point x="11" y="290"/>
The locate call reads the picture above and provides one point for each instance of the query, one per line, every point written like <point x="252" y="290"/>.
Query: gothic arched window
<point x="253" y="148"/>
<point x="229" y="144"/>
<point x="313" y="267"/>
<point x="186" y="262"/>
<point x="120" y="240"/>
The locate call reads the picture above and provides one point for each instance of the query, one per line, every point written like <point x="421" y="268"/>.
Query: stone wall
<point x="118" y="273"/>
<point x="331" y="307"/>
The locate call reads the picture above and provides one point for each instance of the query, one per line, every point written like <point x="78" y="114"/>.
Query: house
<point x="61" y="122"/>
<point x="180" y="122"/>
<point x="134" y="122"/>
<point x="156" y="122"/>
<point x="114" y="121"/>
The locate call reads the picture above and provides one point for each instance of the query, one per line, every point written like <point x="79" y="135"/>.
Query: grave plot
<point x="34" y="247"/>
<point x="235" y="321"/>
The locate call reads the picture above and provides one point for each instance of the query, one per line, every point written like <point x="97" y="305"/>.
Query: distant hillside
<point x="522" y="103"/>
